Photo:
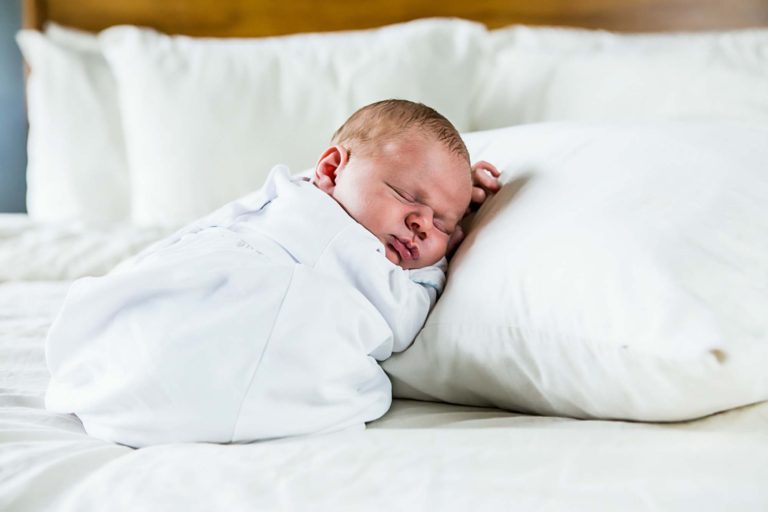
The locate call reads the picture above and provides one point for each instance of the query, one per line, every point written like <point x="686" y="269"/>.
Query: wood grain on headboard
<point x="251" y="18"/>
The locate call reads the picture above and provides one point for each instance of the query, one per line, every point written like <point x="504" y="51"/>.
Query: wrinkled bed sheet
<point x="419" y="456"/>
<point x="32" y="250"/>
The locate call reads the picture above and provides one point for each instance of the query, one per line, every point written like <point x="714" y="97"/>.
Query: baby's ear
<point x="328" y="166"/>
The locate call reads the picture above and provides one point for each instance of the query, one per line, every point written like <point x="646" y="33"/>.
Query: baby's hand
<point x="485" y="181"/>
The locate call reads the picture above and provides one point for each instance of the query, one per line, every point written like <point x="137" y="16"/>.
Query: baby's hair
<point x="388" y="119"/>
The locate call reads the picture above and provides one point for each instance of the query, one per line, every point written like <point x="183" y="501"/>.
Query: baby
<point x="267" y="318"/>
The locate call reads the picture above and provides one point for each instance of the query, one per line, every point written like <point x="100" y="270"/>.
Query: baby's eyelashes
<point x="404" y="195"/>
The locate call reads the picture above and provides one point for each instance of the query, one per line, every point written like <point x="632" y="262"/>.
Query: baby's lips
<point x="403" y="249"/>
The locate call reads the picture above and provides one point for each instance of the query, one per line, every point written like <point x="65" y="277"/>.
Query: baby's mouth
<point x="405" y="249"/>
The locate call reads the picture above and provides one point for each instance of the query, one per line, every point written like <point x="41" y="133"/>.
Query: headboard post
<point x="34" y="14"/>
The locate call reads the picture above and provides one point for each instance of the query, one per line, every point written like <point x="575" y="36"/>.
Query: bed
<point x="686" y="429"/>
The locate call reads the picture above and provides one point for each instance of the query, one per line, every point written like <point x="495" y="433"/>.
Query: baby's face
<point x="411" y="195"/>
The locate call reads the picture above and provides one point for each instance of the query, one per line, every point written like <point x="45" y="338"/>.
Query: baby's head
<point x="402" y="171"/>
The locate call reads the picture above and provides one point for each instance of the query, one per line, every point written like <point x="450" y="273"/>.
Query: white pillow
<point x="547" y="74"/>
<point x="77" y="168"/>
<point x="205" y="119"/>
<point x="620" y="272"/>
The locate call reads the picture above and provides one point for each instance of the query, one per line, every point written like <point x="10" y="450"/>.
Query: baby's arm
<point x="402" y="297"/>
<point x="432" y="278"/>
<point x="407" y="298"/>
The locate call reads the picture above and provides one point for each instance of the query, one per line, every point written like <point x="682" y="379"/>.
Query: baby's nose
<point x="419" y="224"/>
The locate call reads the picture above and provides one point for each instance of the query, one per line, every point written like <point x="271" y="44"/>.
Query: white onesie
<point x="264" y="319"/>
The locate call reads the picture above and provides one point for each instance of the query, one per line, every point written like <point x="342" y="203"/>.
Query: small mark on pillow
<point x="719" y="355"/>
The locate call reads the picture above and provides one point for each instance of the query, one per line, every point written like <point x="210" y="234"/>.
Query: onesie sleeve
<point x="403" y="297"/>
<point x="432" y="278"/>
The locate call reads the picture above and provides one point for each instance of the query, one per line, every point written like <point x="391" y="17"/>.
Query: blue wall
<point x="13" y="116"/>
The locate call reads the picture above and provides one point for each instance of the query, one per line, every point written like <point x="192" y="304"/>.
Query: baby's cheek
<point x="439" y="249"/>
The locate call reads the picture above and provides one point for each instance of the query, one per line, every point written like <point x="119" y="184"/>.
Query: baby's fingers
<point x="485" y="176"/>
<point x="482" y="164"/>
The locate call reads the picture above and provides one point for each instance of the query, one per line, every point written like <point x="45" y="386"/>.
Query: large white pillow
<point x="621" y="272"/>
<point x="548" y="74"/>
<point x="205" y="119"/>
<point x="77" y="168"/>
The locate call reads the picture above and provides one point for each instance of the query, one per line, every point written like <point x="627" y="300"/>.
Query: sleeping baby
<point x="268" y="317"/>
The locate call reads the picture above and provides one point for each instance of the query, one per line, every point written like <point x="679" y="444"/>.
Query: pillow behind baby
<point x="540" y="74"/>
<point x="77" y="168"/>
<point x="205" y="119"/>
<point x="621" y="272"/>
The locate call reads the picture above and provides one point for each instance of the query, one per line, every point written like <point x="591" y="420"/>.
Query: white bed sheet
<point x="31" y="250"/>
<point x="420" y="456"/>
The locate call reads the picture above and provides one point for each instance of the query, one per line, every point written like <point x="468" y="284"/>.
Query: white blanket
<point x="265" y="319"/>
<point x="419" y="456"/>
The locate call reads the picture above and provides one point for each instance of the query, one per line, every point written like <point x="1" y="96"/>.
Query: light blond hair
<point x="386" y="120"/>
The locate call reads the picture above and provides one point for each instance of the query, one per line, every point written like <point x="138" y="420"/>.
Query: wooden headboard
<point x="252" y="18"/>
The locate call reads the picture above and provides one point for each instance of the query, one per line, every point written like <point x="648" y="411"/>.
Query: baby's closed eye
<point x="405" y="196"/>
<point x="443" y="227"/>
